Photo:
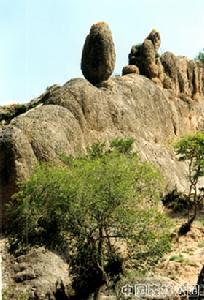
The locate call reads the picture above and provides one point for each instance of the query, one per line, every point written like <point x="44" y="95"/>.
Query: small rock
<point x="22" y="276"/>
<point x="129" y="69"/>
<point x="19" y="267"/>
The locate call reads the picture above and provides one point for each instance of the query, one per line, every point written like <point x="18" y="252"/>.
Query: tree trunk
<point x="100" y="264"/>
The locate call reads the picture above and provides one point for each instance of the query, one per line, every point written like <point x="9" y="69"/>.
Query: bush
<point x="122" y="145"/>
<point x="97" y="203"/>
<point x="176" y="201"/>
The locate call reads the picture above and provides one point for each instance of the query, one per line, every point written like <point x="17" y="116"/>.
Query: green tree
<point x="98" y="204"/>
<point x="190" y="148"/>
<point x="200" y="56"/>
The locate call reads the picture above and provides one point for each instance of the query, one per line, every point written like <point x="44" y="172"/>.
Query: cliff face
<point x="73" y="116"/>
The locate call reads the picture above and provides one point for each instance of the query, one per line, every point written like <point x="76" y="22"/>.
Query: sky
<point x="42" y="40"/>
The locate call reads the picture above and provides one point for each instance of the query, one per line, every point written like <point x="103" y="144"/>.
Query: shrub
<point x="176" y="201"/>
<point x="97" y="203"/>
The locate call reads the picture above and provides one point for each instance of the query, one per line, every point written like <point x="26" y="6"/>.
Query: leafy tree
<point x="190" y="148"/>
<point x="200" y="56"/>
<point x="97" y="204"/>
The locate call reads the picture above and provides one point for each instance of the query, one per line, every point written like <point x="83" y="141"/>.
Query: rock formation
<point x="74" y="116"/>
<point x="67" y="119"/>
<point x="98" y="55"/>
<point x="154" y="37"/>
<point x="146" y="58"/>
<point x="130" y="69"/>
<point x="37" y="275"/>
<point x="183" y="76"/>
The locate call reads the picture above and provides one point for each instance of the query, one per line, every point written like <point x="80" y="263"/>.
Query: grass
<point x="178" y="258"/>
<point x="8" y="294"/>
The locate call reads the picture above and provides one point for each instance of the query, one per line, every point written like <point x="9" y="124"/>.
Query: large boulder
<point x="98" y="55"/>
<point x="39" y="274"/>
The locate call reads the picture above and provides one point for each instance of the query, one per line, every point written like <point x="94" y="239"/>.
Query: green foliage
<point x="11" y="293"/>
<point x="190" y="148"/>
<point x="176" y="201"/>
<point x="122" y="145"/>
<point x="96" y="150"/>
<point x="96" y="203"/>
<point x="200" y="56"/>
<point x="178" y="258"/>
<point x="20" y="109"/>
<point x="36" y="211"/>
<point x="181" y="259"/>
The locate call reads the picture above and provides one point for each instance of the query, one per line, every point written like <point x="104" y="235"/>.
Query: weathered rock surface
<point x="78" y="114"/>
<point x="38" y="275"/>
<point x="130" y="69"/>
<point x="145" y="57"/>
<point x="8" y="112"/>
<point x="72" y="117"/>
<point x="181" y="75"/>
<point x="98" y="55"/>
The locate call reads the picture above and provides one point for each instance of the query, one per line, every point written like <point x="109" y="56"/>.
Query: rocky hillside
<point x="73" y="116"/>
<point x="156" y="101"/>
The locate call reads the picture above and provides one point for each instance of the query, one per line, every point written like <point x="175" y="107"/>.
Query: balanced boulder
<point x="98" y="55"/>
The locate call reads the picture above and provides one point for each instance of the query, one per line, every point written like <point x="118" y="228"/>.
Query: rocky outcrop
<point x="74" y="116"/>
<point x="98" y="55"/>
<point x="16" y="161"/>
<point x="181" y="75"/>
<point x="145" y="57"/>
<point x="37" y="275"/>
<point x="8" y="112"/>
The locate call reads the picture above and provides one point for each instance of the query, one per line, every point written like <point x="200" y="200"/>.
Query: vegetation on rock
<point x="104" y="206"/>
